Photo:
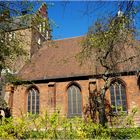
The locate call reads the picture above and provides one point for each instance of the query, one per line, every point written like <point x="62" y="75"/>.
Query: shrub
<point x="58" y="127"/>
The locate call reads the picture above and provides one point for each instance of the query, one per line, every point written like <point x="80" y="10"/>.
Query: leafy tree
<point x="11" y="45"/>
<point x="108" y="44"/>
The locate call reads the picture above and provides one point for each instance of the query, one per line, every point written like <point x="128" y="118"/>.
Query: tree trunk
<point x="102" y="114"/>
<point x="0" y="81"/>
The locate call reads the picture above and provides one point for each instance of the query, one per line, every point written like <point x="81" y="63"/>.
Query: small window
<point x="47" y="34"/>
<point x="33" y="101"/>
<point x="118" y="96"/>
<point x="74" y="101"/>
<point x="39" y="41"/>
<point x="44" y="27"/>
<point x="39" y="28"/>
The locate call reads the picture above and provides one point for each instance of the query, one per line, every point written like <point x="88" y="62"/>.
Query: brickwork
<point x="58" y="98"/>
<point x="24" y="38"/>
<point x="20" y="97"/>
<point x="27" y="36"/>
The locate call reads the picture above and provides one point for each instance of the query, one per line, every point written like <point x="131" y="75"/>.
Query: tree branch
<point x="125" y="60"/>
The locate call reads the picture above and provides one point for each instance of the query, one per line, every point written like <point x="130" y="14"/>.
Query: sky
<point x="73" y="18"/>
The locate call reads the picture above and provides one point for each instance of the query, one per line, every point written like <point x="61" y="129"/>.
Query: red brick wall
<point x="60" y="94"/>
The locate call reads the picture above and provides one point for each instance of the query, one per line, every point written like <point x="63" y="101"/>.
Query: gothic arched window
<point x="118" y="96"/>
<point x="74" y="101"/>
<point x="33" y="100"/>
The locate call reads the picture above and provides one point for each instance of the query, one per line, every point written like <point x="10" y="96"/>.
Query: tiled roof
<point x="58" y="59"/>
<point x="55" y="59"/>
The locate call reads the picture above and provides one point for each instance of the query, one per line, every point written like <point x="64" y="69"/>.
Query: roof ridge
<point x="69" y="38"/>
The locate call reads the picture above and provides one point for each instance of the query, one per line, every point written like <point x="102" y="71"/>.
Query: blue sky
<point x="73" y="18"/>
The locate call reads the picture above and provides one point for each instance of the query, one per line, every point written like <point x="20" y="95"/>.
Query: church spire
<point x="120" y="13"/>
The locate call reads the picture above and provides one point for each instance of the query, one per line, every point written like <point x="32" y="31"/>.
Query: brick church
<point x="54" y="80"/>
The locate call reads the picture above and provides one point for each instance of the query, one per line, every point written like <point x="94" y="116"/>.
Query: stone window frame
<point x="118" y="87"/>
<point x="30" y="91"/>
<point x="78" y="110"/>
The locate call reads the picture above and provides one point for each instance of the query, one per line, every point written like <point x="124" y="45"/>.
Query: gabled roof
<point x="57" y="59"/>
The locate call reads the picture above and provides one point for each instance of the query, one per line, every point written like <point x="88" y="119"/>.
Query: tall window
<point x="43" y="26"/>
<point x="74" y="101"/>
<point x="118" y="96"/>
<point x="40" y="28"/>
<point x="33" y="101"/>
<point x="39" y="41"/>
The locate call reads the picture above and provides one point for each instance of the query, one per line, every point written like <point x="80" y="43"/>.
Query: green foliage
<point x="109" y="47"/>
<point x="10" y="78"/>
<point x="10" y="50"/>
<point x="3" y="103"/>
<point x="104" y="40"/>
<point x="107" y="36"/>
<point x="10" y="41"/>
<point x="57" y="127"/>
<point x="125" y="133"/>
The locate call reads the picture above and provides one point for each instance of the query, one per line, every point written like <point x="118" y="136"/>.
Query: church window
<point x="118" y="96"/>
<point x="74" y="101"/>
<point x="33" y="101"/>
